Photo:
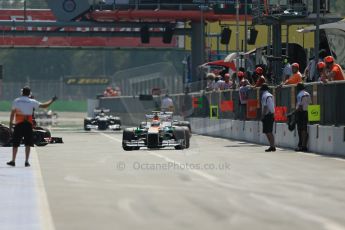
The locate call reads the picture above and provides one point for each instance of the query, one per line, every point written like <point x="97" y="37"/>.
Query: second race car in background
<point x="102" y="120"/>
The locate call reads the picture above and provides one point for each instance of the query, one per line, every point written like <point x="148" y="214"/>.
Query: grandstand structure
<point x="142" y="19"/>
<point x="157" y="23"/>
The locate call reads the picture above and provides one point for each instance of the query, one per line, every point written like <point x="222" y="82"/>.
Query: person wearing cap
<point x="240" y="75"/>
<point x="210" y="83"/>
<point x="243" y="95"/>
<point x="334" y="72"/>
<point x="224" y="84"/>
<point x="321" y="69"/>
<point x="267" y="116"/>
<point x="260" y="77"/>
<point x="303" y="100"/>
<point x="296" y="76"/>
<point x="21" y="116"/>
<point x="238" y="78"/>
<point x="311" y="72"/>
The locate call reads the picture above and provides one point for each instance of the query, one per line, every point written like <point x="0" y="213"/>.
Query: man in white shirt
<point x="287" y="70"/>
<point x="303" y="100"/>
<point x="167" y="104"/>
<point x="243" y="95"/>
<point x="267" y="116"/>
<point x="22" y="116"/>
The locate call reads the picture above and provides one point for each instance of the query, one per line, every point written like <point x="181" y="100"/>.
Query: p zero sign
<point x="87" y="81"/>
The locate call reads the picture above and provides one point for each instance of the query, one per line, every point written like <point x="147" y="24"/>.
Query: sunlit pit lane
<point x="280" y="190"/>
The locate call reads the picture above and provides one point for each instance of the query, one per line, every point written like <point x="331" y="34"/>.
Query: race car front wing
<point x="164" y="143"/>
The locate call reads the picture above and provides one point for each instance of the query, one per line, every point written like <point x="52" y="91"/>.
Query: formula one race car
<point x="45" y="117"/>
<point x="102" y="120"/>
<point x="158" y="131"/>
<point x="41" y="136"/>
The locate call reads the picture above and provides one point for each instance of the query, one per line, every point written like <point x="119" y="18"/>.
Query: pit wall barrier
<point x="322" y="139"/>
<point x="220" y="114"/>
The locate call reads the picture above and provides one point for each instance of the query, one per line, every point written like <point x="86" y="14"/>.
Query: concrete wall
<point x="322" y="139"/>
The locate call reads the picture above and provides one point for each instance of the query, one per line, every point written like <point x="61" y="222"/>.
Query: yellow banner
<point x="314" y="113"/>
<point x="87" y="81"/>
<point x="214" y="112"/>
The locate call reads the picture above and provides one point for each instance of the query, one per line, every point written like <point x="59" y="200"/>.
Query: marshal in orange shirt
<point x="338" y="73"/>
<point x="294" y="79"/>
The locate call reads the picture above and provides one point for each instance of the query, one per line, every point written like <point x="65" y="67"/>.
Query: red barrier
<point x="252" y="105"/>
<point x="280" y="113"/>
<point x="227" y="106"/>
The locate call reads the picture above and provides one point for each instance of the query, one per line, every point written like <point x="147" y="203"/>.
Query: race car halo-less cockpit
<point x="102" y="120"/>
<point x="158" y="131"/>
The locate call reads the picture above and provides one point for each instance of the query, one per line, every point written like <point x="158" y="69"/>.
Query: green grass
<point x="60" y="106"/>
<point x="5" y="105"/>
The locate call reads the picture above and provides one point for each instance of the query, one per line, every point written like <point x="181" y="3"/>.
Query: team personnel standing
<point x="167" y="104"/>
<point x="296" y="76"/>
<point x="260" y="77"/>
<point x="334" y="71"/>
<point x="267" y="116"/>
<point x="225" y="83"/>
<point x="303" y="100"/>
<point x="321" y="69"/>
<point x="21" y="116"/>
<point x="287" y="70"/>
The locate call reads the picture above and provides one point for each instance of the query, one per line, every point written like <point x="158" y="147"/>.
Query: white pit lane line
<point x="23" y="202"/>
<point x="46" y="218"/>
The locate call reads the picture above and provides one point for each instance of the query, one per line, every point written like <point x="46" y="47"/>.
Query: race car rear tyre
<point x="40" y="135"/>
<point x="5" y="135"/>
<point x="180" y="135"/>
<point x="187" y="140"/>
<point x="184" y="124"/>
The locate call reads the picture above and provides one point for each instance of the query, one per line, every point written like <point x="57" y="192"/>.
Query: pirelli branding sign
<point x="87" y="81"/>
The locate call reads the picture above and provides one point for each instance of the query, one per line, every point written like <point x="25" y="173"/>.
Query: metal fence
<point x="329" y="96"/>
<point x="142" y="80"/>
<point x="131" y="82"/>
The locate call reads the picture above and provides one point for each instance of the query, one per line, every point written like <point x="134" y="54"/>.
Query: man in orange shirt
<point x="296" y="76"/>
<point x="334" y="71"/>
<point x="22" y="110"/>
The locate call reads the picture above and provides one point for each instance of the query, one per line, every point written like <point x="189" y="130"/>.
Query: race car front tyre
<point x="86" y="122"/>
<point x="127" y="136"/>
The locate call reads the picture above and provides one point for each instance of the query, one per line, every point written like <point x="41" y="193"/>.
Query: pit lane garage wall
<point x="219" y="114"/>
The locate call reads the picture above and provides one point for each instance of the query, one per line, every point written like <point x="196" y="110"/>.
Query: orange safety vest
<point x="294" y="79"/>
<point x="20" y="118"/>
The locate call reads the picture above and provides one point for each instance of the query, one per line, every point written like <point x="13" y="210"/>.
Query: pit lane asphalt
<point x="91" y="183"/>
